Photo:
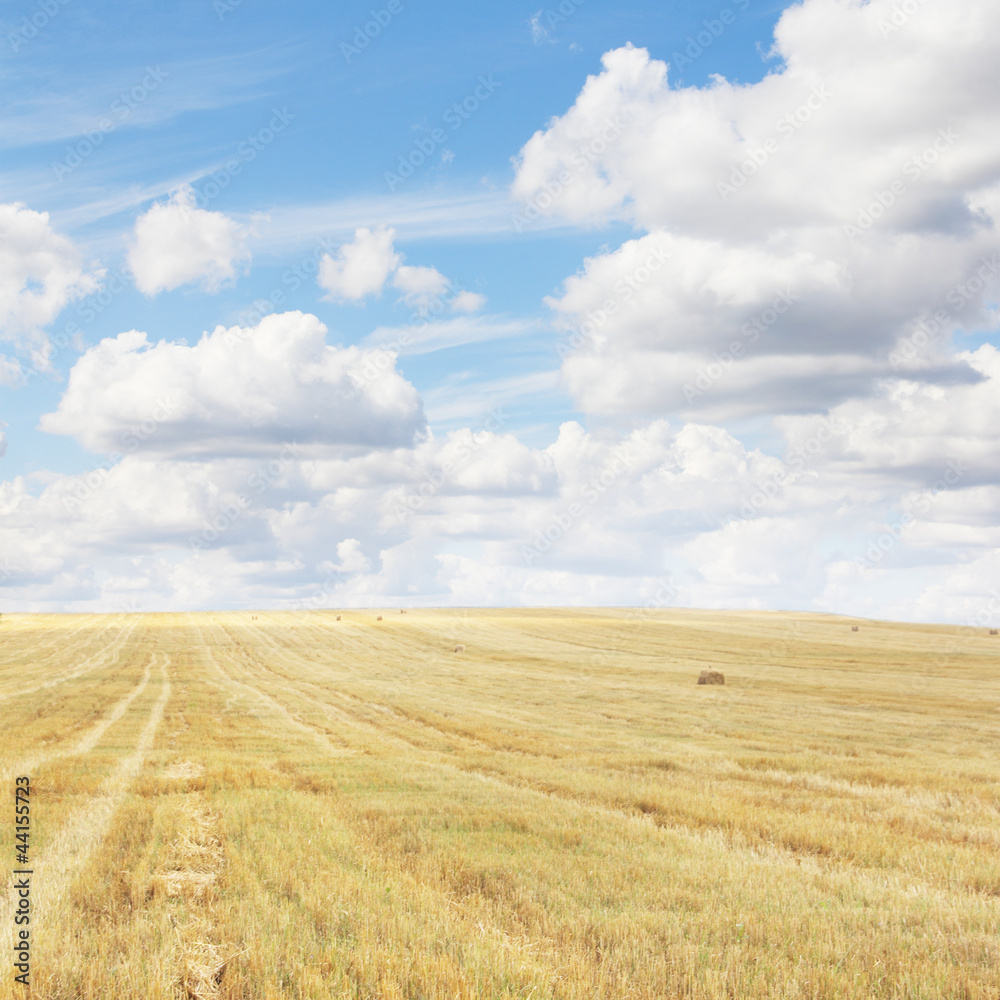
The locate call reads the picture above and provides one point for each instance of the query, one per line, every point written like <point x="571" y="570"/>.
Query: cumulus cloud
<point x="799" y="229"/>
<point x="914" y="431"/>
<point x="352" y="559"/>
<point x="236" y="391"/>
<point x="420" y="285"/>
<point x="468" y="302"/>
<point x="832" y="146"/>
<point x="361" y="267"/>
<point x="687" y="515"/>
<point x="40" y="273"/>
<point x="176" y="243"/>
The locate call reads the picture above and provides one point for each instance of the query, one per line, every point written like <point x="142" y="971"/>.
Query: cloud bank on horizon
<point x="780" y="366"/>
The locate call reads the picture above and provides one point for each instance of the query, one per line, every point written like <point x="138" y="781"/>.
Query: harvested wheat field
<point x="314" y="804"/>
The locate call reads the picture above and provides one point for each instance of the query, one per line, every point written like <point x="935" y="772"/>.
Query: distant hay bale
<point x="711" y="677"/>
<point x="338" y="618"/>
<point x="993" y="631"/>
<point x="854" y="628"/>
<point x="402" y="611"/>
<point x="379" y="618"/>
<point x="460" y="649"/>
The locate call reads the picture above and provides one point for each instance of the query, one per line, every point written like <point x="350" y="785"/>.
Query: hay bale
<point x="379" y="618"/>
<point x="402" y="611"/>
<point x="854" y="628"/>
<point x="993" y="631"/>
<point x="338" y="618"/>
<point x="460" y="649"/>
<point x="711" y="677"/>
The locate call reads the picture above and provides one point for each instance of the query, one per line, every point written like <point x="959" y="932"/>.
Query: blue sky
<point x="220" y="71"/>
<point x="286" y="135"/>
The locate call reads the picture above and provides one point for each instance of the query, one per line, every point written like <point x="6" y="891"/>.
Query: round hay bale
<point x="993" y="631"/>
<point x="338" y="618"/>
<point x="711" y="677"/>
<point x="460" y="649"/>
<point x="854" y="628"/>
<point x="379" y="618"/>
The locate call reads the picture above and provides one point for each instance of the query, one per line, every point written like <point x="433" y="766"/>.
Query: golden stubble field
<point x="291" y="805"/>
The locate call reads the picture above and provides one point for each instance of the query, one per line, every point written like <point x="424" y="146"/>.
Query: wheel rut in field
<point x="44" y="650"/>
<point x="357" y="711"/>
<point x="84" y="830"/>
<point x="94" y="662"/>
<point x="354" y="710"/>
<point x="85" y="743"/>
<point x="326" y="740"/>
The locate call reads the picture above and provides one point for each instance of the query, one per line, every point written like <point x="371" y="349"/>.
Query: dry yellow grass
<point x="316" y="805"/>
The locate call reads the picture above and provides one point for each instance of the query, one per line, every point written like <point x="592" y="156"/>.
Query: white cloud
<point x="176" y="243"/>
<point x="237" y="391"/>
<point x="361" y="267"/>
<point x="671" y="152"/>
<point x="40" y="273"/>
<point x="468" y="302"/>
<point x="867" y="213"/>
<point x="876" y="489"/>
<point x="352" y="559"/>
<point x="538" y="32"/>
<point x="420" y="285"/>
<point x="913" y="431"/>
<point x="686" y="516"/>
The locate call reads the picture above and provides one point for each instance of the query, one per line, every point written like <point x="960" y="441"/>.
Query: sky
<point x="685" y="304"/>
